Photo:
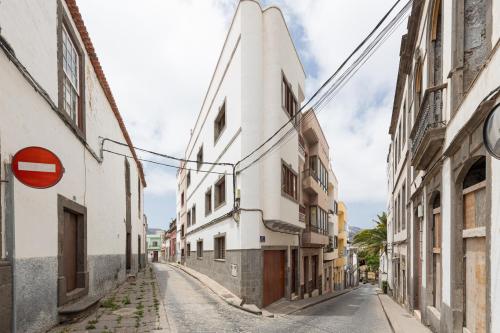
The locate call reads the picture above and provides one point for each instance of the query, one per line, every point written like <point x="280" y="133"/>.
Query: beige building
<point x="444" y="186"/>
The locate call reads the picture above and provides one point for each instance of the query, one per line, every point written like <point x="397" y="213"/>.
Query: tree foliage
<point x="371" y="242"/>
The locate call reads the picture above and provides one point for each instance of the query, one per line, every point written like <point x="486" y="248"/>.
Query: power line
<point x="163" y="155"/>
<point x="164" y="164"/>
<point x="325" y="83"/>
<point x="340" y="83"/>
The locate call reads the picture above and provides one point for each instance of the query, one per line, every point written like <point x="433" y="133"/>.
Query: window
<point x="70" y="87"/>
<point x="193" y="215"/>
<point x="199" y="159"/>
<point x="288" y="181"/>
<point x="208" y="202"/>
<point x="155" y="243"/>
<point x="182" y="199"/>
<point x="220" y="192"/>
<point x="182" y="230"/>
<point x="188" y="249"/>
<point x="318" y="220"/>
<point x="288" y="100"/>
<point x="403" y="207"/>
<point x="220" y="247"/>
<point x="319" y="172"/>
<point x="199" y="249"/>
<point x="188" y="178"/>
<point x="139" y="197"/>
<point x="220" y="122"/>
<point x="189" y="218"/>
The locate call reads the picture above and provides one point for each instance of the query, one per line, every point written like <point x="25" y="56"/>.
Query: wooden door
<point x="294" y="271"/>
<point x="436" y="258"/>
<point x="306" y="274"/>
<point x="314" y="271"/>
<point x="274" y="276"/>
<point x="69" y="253"/>
<point x="128" y="250"/>
<point x="475" y="260"/>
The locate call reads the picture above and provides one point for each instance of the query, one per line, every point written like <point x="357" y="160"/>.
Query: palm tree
<point x="372" y="241"/>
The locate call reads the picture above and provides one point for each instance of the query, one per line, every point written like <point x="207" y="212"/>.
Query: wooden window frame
<point x="199" y="158"/>
<point x="217" y="202"/>
<point x="289" y="178"/>
<point x="208" y="202"/>
<point x="64" y="23"/>
<point x="220" y="254"/>
<point x="199" y="249"/>
<point x="221" y="115"/>
<point x="193" y="215"/>
<point x="188" y="249"/>
<point x="288" y="97"/>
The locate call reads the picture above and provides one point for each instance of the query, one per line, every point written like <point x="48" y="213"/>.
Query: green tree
<point x="371" y="242"/>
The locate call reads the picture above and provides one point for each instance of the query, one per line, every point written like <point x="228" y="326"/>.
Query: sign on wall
<point x="37" y="167"/>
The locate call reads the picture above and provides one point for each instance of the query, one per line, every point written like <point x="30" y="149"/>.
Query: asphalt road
<point x="191" y="307"/>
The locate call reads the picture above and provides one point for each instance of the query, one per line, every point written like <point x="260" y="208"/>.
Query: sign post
<point x="37" y="167"/>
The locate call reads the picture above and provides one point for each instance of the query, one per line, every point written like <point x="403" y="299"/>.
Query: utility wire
<point x="340" y="83"/>
<point x="325" y="83"/>
<point x="164" y="164"/>
<point x="164" y="155"/>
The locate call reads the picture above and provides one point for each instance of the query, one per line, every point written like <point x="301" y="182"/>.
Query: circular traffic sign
<point x="37" y="167"/>
<point x="491" y="132"/>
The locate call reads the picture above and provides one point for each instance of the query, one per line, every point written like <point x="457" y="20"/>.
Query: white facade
<point x="29" y="224"/>
<point x="257" y="217"/>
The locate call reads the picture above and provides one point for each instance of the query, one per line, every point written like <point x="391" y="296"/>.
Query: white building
<point x="445" y="197"/>
<point x="252" y="231"/>
<point x="78" y="239"/>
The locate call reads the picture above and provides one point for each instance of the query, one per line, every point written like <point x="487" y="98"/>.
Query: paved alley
<point x="191" y="307"/>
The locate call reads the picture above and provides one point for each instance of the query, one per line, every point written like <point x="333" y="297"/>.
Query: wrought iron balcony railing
<point x="430" y="115"/>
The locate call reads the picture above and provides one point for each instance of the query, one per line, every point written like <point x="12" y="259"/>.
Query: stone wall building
<point x="78" y="239"/>
<point x="260" y="228"/>
<point x="444" y="186"/>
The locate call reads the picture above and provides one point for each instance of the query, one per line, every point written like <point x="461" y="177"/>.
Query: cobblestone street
<point x="192" y="307"/>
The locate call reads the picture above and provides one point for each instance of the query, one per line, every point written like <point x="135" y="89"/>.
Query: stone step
<point x="80" y="309"/>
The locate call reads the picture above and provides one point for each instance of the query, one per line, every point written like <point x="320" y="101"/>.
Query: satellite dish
<point x="491" y="132"/>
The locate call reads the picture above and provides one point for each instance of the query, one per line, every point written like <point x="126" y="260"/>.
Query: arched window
<point x="418" y="85"/>
<point x="476" y="174"/>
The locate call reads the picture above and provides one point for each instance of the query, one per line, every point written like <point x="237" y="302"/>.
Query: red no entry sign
<point x="37" y="167"/>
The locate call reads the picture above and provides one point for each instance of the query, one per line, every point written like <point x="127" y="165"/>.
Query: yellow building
<point x="340" y="243"/>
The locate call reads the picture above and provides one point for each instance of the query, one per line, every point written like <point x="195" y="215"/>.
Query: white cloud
<point x="159" y="57"/>
<point x="356" y="121"/>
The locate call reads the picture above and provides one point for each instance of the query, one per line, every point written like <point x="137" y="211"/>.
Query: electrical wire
<point x="325" y="83"/>
<point x="334" y="89"/>
<point x="163" y="155"/>
<point x="164" y="164"/>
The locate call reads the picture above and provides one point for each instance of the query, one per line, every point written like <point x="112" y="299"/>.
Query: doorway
<point x="314" y="271"/>
<point x="274" y="276"/>
<point x="70" y="250"/>
<point x="294" y="271"/>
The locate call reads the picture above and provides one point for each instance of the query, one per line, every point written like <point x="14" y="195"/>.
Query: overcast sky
<point x="159" y="55"/>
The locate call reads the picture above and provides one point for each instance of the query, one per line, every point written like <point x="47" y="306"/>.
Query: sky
<point x="159" y="56"/>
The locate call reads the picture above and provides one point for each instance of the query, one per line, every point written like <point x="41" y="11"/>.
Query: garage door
<point x="274" y="276"/>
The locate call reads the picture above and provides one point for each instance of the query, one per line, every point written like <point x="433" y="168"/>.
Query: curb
<point x="385" y="313"/>
<point x="343" y="292"/>
<point x="246" y="309"/>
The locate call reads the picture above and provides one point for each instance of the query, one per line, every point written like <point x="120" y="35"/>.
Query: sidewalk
<point x="219" y="290"/>
<point x="283" y="306"/>
<point x="399" y="318"/>
<point x="132" y="307"/>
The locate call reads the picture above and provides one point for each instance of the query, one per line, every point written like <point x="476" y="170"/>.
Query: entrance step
<point x="80" y="309"/>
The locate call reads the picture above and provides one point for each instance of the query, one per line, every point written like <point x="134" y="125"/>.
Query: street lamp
<point x="491" y="132"/>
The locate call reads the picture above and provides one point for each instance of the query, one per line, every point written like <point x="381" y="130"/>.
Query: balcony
<point x="310" y="182"/>
<point x="427" y="135"/>
<point x="314" y="236"/>
<point x="328" y="256"/>
<point x="302" y="149"/>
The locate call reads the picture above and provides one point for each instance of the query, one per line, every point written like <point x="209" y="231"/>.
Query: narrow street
<point x="191" y="307"/>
